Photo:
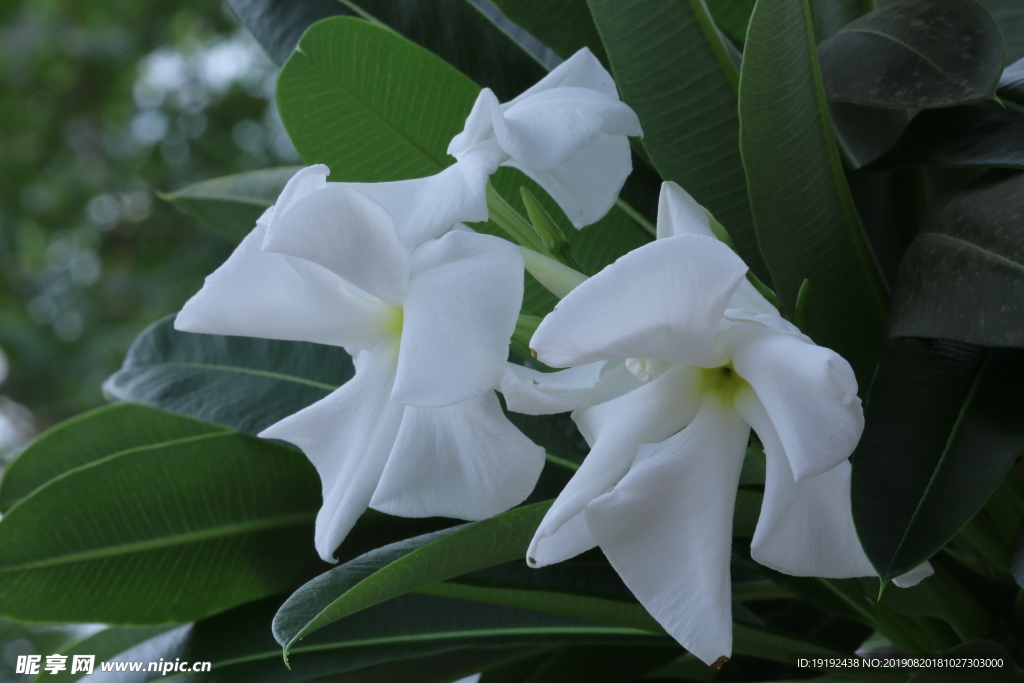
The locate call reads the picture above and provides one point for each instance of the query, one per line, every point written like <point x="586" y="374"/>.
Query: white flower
<point x="568" y="133"/>
<point x="702" y="358"/>
<point x="419" y="430"/>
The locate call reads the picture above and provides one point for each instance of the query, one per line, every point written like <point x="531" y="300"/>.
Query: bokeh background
<point x="102" y="106"/>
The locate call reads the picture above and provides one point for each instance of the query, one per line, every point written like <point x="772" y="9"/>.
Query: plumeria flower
<point x="568" y="133"/>
<point x="419" y="430"/>
<point x="676" y="357"/>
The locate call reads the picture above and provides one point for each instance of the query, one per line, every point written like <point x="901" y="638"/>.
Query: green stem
<point x="517" y="227"/>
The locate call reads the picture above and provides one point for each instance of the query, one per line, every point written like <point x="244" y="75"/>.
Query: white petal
<point x="617" y="428"/>
<point x="806" y="527"/>
<point x="680" y="214"/>
<point x="546" y="129"/>
<point x="663" y="301"/>
<point x="914" y="576"/>
<point x="666" y="528"/>
<point x="304" y="183"/>
<point x="464" y="460"/>
<point x="810" y="393"/>
<point x="566" y="542"/>
<point x="587" y="183"/>
<point x="532" y="392"/>
<point x="272" y="296"/>
<point x="582" y="70"/>
<point x="425" y="208"/>
<point x="479" y="126"/>
<point x="461" y="310"/>
<point x="347" y="436"/>
<point x="348" y="233"/>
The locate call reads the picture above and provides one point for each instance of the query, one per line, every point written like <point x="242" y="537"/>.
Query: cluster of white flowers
<point x="673" y="357"/>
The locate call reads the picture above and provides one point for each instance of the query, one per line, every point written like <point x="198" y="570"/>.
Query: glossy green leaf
<point x="673" y="69"/>
<point x="162" y="533"/>
<point x="91" y="437"/>
<point x="239" y="382"/>
<point x="458" y="31"/>
<point x="231" y="205"/>
<point x="829" y="16"/>
<point x="277" y="26"/>
<point x="865" y="133"/>
<point x="565" y="26"/>
<point x="980" y="135"/>
<point x="402" y="567"/>
<point x="363" y="100"/>
<point x="946" y="598"/>
<point x="963" y="276"/>
<point x="732" y="17"/>
<point x="1009" y="15"/>
<point x="915" y="54"/>
<point x="942" y="427"/>
<point x="406" y="633"/>
<point x="806" y="222"/>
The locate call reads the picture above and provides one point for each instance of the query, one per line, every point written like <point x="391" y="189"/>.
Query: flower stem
<point x="509" y="220"/>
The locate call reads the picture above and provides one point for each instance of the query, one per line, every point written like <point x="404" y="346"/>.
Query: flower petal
<point x="546" y="129"/>
<point x="663" y="301"/>
<point x="680" y="214"/>
<point x="666" y="528"/>
<point x="914" y="576"/>
<point x="616" y="428"/>
<point x="272" y="296"/>
<point x="304" y="183"/>
<point x="587" y="183"/>
<point x="532" y="392"/>
<point x="810" y="393"/>
<point x="348" y="233"/>
<point x="806" y="527"/>
<point x="425" y="208"/>
<point x="461" y="310"/>
<point x="464" y="460"/>
<point x="347" y="436"/>
<point x="582" y="70"/>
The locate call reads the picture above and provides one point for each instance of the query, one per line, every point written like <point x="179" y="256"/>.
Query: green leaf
<point x="829" y="16"/>
<point x="402" y="567"/>
<point x="915" y="54"/>
<point x="164" y="532"/>
<point x="88" y="438"/>
<point x="231" y="205"/>
<point x="982" y="135"/>
<point x="963" y="276"/>
<point x="398" y="641"/>
<point x="1009" y="15"/>
<point x="806" y="222"/>
<point x="239" y="382"/>
<point x="944" y="597"/>
<point x="565" y="27"/>
<point x="942" y="427"/>
<point x="277" y="25"/>
<point x="732" y="17"/>
<point x="674" y="70"/>
<point x="458" y="31"/>
<point x="363" y="100"/>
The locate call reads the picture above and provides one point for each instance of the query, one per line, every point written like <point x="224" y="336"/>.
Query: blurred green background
<point x="101" y="106"/>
